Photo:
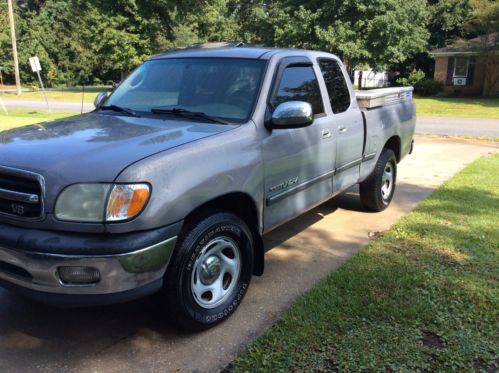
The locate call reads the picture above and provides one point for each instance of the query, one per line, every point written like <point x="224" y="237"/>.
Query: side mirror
<point x="99" y="100"/>
<point x="292" y="114"/>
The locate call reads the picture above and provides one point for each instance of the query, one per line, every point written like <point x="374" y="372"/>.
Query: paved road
<point x="11" y="103"/>
<point x="425" y="125"/>
<point x="134" y="337"/>
<point x="458" y="126"/>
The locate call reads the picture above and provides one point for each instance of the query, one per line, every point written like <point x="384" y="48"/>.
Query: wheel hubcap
<point x="216" y="272"/>
<point x="210" y="270"/>
<point x="387" y="181"/>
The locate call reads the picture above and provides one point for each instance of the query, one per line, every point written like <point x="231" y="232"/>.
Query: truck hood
<point x="95" y="147"/>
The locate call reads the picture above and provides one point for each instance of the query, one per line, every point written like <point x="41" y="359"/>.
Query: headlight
<point x="99" y="203"/>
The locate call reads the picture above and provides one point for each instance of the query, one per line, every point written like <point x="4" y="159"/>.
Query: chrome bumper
<point x="118" y="273"/>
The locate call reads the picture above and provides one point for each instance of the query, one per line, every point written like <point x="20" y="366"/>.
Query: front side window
<point x="461" y="67"/>
<point x="299" y="83"/>
<point x="337" y="88"/>
<point x="220" y="87"/>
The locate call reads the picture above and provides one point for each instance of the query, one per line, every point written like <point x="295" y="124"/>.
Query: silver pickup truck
<point x="170" y="184"/>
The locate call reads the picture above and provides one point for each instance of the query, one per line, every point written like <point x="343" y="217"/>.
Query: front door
<point x="298" y="162"/>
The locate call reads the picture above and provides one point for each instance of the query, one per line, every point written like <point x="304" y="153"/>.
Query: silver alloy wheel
<point x="216" y="272"/>
<point x="387" y="181"/>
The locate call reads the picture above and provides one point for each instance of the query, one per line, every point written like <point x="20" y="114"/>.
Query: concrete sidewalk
<point x="135" y="337"/>
<point x="458" y="126"/>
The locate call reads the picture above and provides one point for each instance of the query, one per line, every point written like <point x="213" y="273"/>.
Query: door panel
<point x="349" y="148"/>
<point x="298" y="162"/>
<point x="348" y="124"/>
<point x="298" y="171"/>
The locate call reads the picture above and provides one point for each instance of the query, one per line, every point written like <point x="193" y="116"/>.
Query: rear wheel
<point x="210" y="272"/>
<point x="376" y="192"/>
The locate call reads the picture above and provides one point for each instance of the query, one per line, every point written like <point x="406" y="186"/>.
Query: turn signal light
<point x="126" y="201"/>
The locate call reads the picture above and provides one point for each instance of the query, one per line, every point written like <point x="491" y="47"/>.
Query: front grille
<point x="21" y="194"/>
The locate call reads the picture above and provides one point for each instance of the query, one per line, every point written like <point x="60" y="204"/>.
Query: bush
<point x="428" y="87"/>
<point x="413" y="78"/>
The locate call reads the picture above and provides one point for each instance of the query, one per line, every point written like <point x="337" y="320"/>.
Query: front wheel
<point x="376" y="192"/>
<point x="210" y="271"/>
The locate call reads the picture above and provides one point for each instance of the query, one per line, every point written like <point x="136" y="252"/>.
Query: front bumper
<point x="33" y="268"/>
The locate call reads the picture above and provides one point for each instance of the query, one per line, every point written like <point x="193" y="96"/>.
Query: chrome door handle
<point x="326" y="133"/>
<point x="342" y="129"/>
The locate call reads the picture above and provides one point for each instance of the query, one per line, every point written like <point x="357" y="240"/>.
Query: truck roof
<point x="262" y="53"/>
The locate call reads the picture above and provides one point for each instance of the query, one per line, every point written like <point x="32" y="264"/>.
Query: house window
<point x="461" y="67"/>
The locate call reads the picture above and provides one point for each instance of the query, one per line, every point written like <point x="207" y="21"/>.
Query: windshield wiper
<point x="120" y="109"/>
<point x="187" y="113"/>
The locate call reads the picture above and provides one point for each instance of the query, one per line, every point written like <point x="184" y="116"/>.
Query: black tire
<point x="185" y="270"/>
<point x="373" y="191"/>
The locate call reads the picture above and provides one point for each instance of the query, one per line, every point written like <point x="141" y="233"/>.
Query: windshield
<point x="219" y="87"/>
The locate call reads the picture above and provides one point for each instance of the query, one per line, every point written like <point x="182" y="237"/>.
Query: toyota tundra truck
<point x="168" y="186"/>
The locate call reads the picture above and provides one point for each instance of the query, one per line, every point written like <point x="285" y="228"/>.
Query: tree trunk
<point x="360" y="79"/>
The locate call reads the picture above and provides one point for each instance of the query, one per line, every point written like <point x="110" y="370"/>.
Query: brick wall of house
<point x="440" y="75"/>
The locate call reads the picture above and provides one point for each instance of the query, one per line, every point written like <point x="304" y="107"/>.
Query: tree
<point x="108" y="38"/>
<point x="485" y="22"/>
<point x="375" y="33"/>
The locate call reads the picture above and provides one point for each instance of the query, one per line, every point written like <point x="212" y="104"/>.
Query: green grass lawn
<point x="22" y="117"/>
<point x="63" y="94"/>
<point x="423" y="297"/>
<point x="457" y="107"/>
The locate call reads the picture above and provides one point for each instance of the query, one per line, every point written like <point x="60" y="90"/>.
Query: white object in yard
<point x="383" y="97"/>
<point x="4" y="109"/>
<point x="459" y="81"/>
<point x="371" y="78"/>
<point x="36" y="67"/>
<point x="35" y="64"/>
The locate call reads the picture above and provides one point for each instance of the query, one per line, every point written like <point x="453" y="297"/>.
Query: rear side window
<point x="336" y="86"/>
<point x="299" y="83"/>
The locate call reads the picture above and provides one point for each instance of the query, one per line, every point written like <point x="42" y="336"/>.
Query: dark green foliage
<point x="428" y="87"/>
<point x="80" y="40"/>
<point x="422" y="86"/>
<point x="411" y="80"/>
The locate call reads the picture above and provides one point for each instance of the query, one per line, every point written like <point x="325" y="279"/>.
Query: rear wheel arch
<point x="394" y="143"/>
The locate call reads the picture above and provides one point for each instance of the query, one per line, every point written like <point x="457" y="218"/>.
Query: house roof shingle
<point x="475" y="46"/>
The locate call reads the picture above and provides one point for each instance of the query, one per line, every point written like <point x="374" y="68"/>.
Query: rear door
<point x="348" y="123"/>
<point x="298" y="162"/>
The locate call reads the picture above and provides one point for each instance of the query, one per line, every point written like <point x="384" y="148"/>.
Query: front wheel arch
<point x="244" y="206"/>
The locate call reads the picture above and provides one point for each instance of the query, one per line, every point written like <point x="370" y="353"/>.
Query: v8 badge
<point x="17" y="209"/>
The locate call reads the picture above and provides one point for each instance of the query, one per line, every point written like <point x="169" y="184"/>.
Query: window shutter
<point x="471" y="72"/>
<point x="450" y="70"/>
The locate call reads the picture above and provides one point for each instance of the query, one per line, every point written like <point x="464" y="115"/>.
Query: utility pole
<point x="14" y="46"/>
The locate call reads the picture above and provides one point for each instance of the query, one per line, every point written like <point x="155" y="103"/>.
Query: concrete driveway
<point x="134" y="337"/>
<point x="458" y="126"/>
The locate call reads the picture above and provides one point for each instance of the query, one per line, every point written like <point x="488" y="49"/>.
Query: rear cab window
<point x="299" y="83"/>
<point x="337" y="88"/>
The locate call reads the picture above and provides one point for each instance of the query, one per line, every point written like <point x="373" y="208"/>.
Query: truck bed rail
<point x="374" y="98"/>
